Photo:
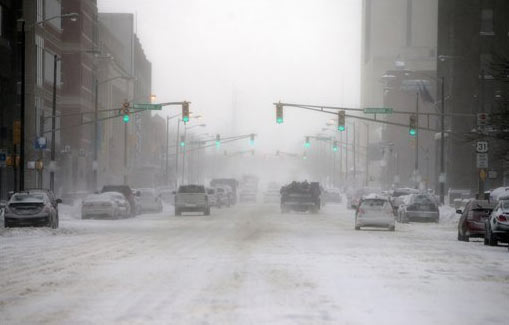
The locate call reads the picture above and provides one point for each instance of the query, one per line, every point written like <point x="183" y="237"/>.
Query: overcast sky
<point x="215" y="53"/>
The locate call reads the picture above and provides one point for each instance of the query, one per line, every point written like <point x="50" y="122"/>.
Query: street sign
<point x="40" y="143"/>
<point x="377" y="110"/>
<point x="481" y="146"/>
<point x="483" y="174"/>
<point x="153" y="107"/>
<point x="482" y="160"/>
<point x="482" y="119"/>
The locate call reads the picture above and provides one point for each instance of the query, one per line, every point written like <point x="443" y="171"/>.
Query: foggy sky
<point x="258" y="52"/>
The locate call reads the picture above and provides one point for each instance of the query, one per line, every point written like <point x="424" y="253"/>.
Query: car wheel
<point x="6" y="224"/>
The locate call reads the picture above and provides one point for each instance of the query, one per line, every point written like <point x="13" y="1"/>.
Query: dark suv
<point x="128" y="193"/>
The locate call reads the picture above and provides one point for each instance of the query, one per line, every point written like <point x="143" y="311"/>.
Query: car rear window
<point x="373" y="203"/>
<point x="191" y="189"/>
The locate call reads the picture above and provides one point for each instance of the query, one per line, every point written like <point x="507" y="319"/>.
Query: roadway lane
<point x="249" y="265"/>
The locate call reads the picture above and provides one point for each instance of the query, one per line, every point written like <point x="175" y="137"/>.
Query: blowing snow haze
<point x="254" y="162"/>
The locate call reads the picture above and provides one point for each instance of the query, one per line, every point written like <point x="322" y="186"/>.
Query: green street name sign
<point x="153" y="107"/>
<point x="378" y="110"/>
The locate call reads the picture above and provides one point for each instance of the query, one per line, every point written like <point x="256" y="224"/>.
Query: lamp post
<point x="184" y="151"/>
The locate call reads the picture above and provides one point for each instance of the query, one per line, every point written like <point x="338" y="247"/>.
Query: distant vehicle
<point x="331" y="195"/>
<point x="418" y="207"/>
<point x="231" y="182"/>
<point x="375" y="211"/>
<point x="73" y="197"/>
<point x="356" y="197"/>
<point x="222" y="196"/>
<point x="149" y="200"/>
<point x="473" y="219"/>
<point x="497" y="224"/>
<point x="166" y="194"/>
<point x="500" y="193"/>
<point x="112" y="205"/>
<point x="127" y="192"/>
<point x="455" y="193"/>
<point x="191" y="198"/>
<point x="301" y="196"/>
<point x="272" y="194"/>
<point x="212" y="196"/>
<point x="31" y="208"/>
<point x="397" y="196"/>
<point x="248" y="195"/>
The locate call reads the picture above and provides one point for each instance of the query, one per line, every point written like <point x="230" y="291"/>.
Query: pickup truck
<point x="191" y="198"/>
<point x="300" y="196"/>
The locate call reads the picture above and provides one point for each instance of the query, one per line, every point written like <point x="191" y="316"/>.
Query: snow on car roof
<point x="374" y="196"/>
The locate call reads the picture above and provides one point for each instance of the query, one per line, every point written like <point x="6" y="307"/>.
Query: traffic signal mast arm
<point x="223" y="141"/>
<point x="325" y="109"/>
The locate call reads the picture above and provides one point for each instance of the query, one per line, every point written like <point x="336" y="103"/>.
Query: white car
<point x="105" y="205"/>
<point x="375" y="211"/>
<point x="149" y="200"/>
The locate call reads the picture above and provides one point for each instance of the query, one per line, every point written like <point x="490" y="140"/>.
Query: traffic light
<point x="341" y="121"/>
<point x="335" y="146"/>
<point x="279" y="113"/>
<point x="125" y="112"/>
<point x="182" y="141"/>
<point x="413" y="125"/>
<point x="218" y="140"/>
<point x="307" y="144"/>
<point x="185" y="112"/>
<point x="252" y="139"/>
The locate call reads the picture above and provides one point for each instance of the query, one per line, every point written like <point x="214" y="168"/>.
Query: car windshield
<point x="422" y="199"/>
<point x="505" y="205"/>
<point x="191" y="189"/>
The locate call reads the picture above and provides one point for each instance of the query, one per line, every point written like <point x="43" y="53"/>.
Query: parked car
<point x="191" y="198"/>
<point x="473" y="219"/>
<point x="354" y="199"/>
<point x="497" y="224"/>
<point x="31" y="208"/>
<point x="213" y="201"/>
<point x="375" y="211"/>
<point x="105" y="205"/>
<point x="499" y="193"/>
<point x="455" y="193"/>
<point x="149" y="200"/>
<point x="418" y="207"/>
<point x="127" y="192"/>
<point x="222" y="196"/>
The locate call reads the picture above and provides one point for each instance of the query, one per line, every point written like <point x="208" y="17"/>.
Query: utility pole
<point x="354" y="152"/>
<point x="177" y="155"/>
<point x="41" y="134"/>
<point x="22" y="116"/>
<point x="184" y="156"/>
<point x="125" y="153"/>
<point x="346" y="155"/>
<point x="417" y="136"/>
<point x="442" y="147"/>
<point x="367" y="155"/>
<point x="53" y="122"/>
<point x="95" y="164"/>
<point x="167" y="148"/>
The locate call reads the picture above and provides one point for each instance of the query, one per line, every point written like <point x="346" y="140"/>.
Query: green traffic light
<point x="307" y="144"/>
<point x="341" y="128"/>
<point x="218" y="144"/>
<point x="412" y="132"/>
<point x="279" y="120"/>
<point x="185" y="119"/>
<point x="182" y="144"/>
<point x="335" y="149"/>
<point x="126" y="118"/>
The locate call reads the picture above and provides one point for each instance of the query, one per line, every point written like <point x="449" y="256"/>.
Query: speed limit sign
<point x="481" y="146"/>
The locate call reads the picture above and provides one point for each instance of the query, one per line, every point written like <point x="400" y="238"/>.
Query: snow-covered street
<point x="249" y="265"/>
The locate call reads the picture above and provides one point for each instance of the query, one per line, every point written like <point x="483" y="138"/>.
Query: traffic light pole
<point x="417" y="137"/>
<point x="177" y="155"/>
<point x="53" y="127"/>
<point x="441" y="179"/>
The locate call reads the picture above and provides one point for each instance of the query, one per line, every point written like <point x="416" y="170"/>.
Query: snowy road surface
<point x="249" y="265"/>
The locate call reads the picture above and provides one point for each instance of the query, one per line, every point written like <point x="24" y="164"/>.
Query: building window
<point x="53" y="8"/>
<point x="487" y="22"/>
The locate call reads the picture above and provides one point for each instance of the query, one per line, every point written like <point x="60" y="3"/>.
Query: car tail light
<point x="503" y="218"/>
